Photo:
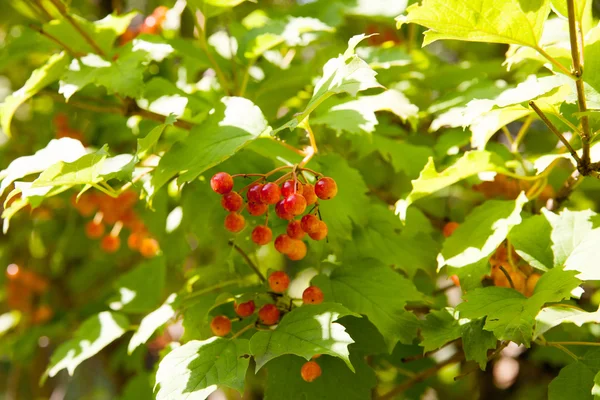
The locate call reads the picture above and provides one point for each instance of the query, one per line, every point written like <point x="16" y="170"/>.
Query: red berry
<point x="308" y="191"/>
<point x="94" y="230"/>
<point x="310" y="223"/>
<point x="310" y="371"/>
<point x="253" y="194"/>
<point x="320" y="233"/>
<point x="110" y="243"/>
<point x="268" y="314"/>
<point x="244" y="309"/>
<point x="288" y="188"/>
<point x="220" y="325"/>
<point x="294" y="230"/>
<point x="326" y="188"/>
<point x="279" y="281"/>
<point x="270" y="193"/>
<point x="283" y="244"/>
<point x="234" y="222"/>
<point x="455" y="280"/>
<point x="281" y="212"/>
<point x="262" y="235"/>
<point x="232" y="201"/>
<point x="449" y="228"/>
<point x="312" y="295"/>
<point x="135" y="240"/>
<point x="257" y="209"/>
<point x="294" y="204"/>
<point x="221" y="183"/>
<point x="149" y="247"/>
<point x="298" y="251"/>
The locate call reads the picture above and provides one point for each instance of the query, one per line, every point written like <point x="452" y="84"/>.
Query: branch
<point x="63" y="10"/>
<point x="565" y="191"/>
<point x="39" y="30"/>
<point x="248" y="261"/>
<point x="554" y="130"/>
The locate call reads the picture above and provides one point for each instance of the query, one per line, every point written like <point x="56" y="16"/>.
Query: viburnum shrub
<point x="325" y="199"/>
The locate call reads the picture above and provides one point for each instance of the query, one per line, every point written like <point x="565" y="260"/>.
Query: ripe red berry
<point x="310" y="223"/>
<point x="449" y="228"/>
<point x="135" y="240"/>
<point x="257" y="209"/>
<point x="221" y="183"/>
<point x="94" y="230"/>
<point x="298" y="251"/>
<point x="234" y="222"/>
<point x="279" y="281"/>
<point x="244" y="310"/>
<point x="308" y="191"/>
<point x="287" y="188"/>
<point x="326" y="188"/>
<point x="294" y="204"/>
<point x="232" y="201"/>
<point x="281" y="211"/>
<point x="220" y="325"/>
<point x="270" y="193"/>
<point x="253" y="194"/>
<point x="294" y="230"/>
<point x="149" y="247"/>
<point x="268" y="314"/>
<point x="110" y="243"/>
<point x="262" y="235"/>
<point x="310" y="371"/>
<point x="320" y="233"/>
<point x="312" y="295"/>
<point x="283" y="244"/>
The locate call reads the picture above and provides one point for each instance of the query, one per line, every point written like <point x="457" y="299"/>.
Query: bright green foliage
<point x="576" y="380"/>
<point x="151" y="323"/>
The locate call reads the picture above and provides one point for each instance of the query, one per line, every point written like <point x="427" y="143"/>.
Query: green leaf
<point x="477" y="341"/>
<point x="151" y="323"/>
<point x="439" y="328"/>
<point x="576" y="380"/>
<point x="471" y="163"/>
<point x="403" y="156"/>
<point x="378" y="292"/>
<point x="509" y="21"/>
<point x="140" y="289"/>
<point x="583" y="11"/>
<point x="346" y="73"/>
<point x="145" y="144"/>
<point x="305" y="332"/>
<point x="39" y="79"/>
<point x="197" y="368"/>
<point x="482" y="232"/>
<point x="376" y="8"/>
<point x="531" y="240"/>
<point x="9" y="320"/>
<point x="93" y="335"/>
<point x="234" y="123"/>
<point x="384" y="57"/>
<point x="510" y="315"/>
<point x="211" y="8"/>
<point x="553" y="316"/>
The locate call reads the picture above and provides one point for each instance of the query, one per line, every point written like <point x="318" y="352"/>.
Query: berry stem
<point x="311" y="135"/>
<point x="244" y="329"/>
<point x="116" y="229"/>
<point x="511" y="259"/>
<point x="246" y="175"/>
<point x="248" y="261"/>
<point x="315" y="173"/>
<point x="98" y="217"/>
<point x="290" y="147"/>
<point x="512" y="285"/>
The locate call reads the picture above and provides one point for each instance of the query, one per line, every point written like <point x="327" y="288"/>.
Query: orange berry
<point x="149" y="247"/>
<point x="287" y="188"/>
<point x="279" y="281"/>
<point x="531" y="283"/>
<point x="86" y="205"/>
<point x="221" y="183"/>
<point x="94" y="230"/>
<point x="268" y="314"/>
<point x="310" y="371"/>
<point x="110" y="244"/>
<point x="234" y="222"/>
<point x="257" y="209"/>
<point x="244" y="309"/>
<point x="42" y="314"/>
<point x="449" y="228"/>
<point x="220" y="325"/>
<point x="310" y="223"/>
<point x="294" y="230"/>
<point x="326" y="188"/>
<point x="308" y="191"/>
<point x="320" y="233"/>
<point x="284" y="244"/>
<point x="262" y="235"/>
<point x="455" y="280"/>
<point x="312" y="295"/>
<point x="298" y="251"/>
<point x="134" y="240"/>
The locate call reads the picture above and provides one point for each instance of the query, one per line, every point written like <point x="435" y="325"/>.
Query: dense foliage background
<point x="462" y="246"/>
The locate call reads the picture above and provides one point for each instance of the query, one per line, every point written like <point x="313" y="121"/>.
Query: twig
<point x="565" y="191"/>
<point x="63" y="10"/>
<point x="554" y="130"/>
<point x="244" y="329"/>
<point x="421" y="376"/>
<point x="512" y="285"/>
<point x="490" y="357"/>
<point x="248" y="261"/>
<point x="521" y="135"/>
<point x="575" y="343"/>
<point x="554" y="62"/>
<point x="55" y="40"/>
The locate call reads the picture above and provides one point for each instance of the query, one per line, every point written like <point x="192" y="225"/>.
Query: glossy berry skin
<point x="232" y="201"/>
<point x="294" y="204"/>
<point x="281" y="211"/>
<point x="220" y="325"/>
<point x="310" y="371"/>
<point x="270" y="193"/>
<point x="235" y="222"/>
<point x="298" y="251"/>
<point x="310" y="223"/>
<point x="326" y="188"/>
<point x="308" y="191"/>
<point x="253" y="194"/>
<point x="449" y="228"/>
<point x="244" y="310"/>
<point x="312" y="295"/>
<point x="221" y="183"/>
<point x="294" y="230"/>
<point x="262" y="235"/>
<point x="94" y="230"/>
<point x="110" y="244"/>
<point x="320" y="233"/>
<point x="279" y="281"/>
<point x="149" y="247"/>
<point x="287" y="188"/>
<point x="268" y="314"/>
<point x="284" y="244"/>
<point x="257" y="209"/>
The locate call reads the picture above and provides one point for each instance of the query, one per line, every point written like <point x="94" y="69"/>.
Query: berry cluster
<point x="152" y="25"/>
<point x="119" y="213"/>
<point x="63" y="129"/>
<point x="508" y="188"/>
<point x="24" y="291"/>
<point x="290" y="199"/>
